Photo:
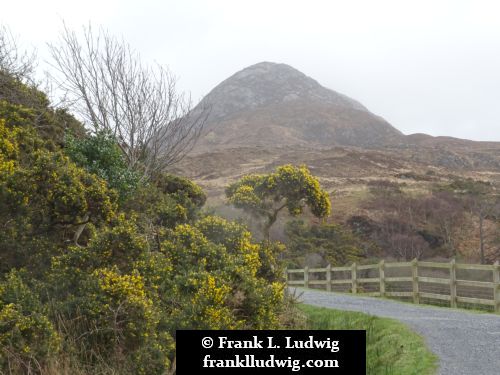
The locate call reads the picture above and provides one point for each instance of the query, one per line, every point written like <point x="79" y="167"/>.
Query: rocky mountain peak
<point x="269" y="83"/>
<point x="271" y="104"/>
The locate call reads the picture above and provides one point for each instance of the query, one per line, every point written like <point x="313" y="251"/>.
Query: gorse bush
<point x="333" y="243"/>
<point x="44" y="199"/>
<point x="27" y="107"/>
<point x="98" y="267"/>
<point x="288" y="187"/>
<point x="219" y="253"/>
<point x="28" y="339"/>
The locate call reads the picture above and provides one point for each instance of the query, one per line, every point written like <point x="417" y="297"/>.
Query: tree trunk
<point x="173" y="368"/>
<point x="481" y="236"/>
<point x="267" y="230"/>
<point x="271" y="220"/>
<point x="80" y="229"/>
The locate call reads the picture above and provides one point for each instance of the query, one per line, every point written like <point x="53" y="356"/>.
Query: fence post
<point x="453" y="283"/>
<point x="414" y="274"/>
<point x="496" y="280"/>
<point x="381" y="275"/>
<point x="329" y="278"/>
<point x="286" y="275"/>
<point x="306" y="277"/>
<point x="354" y="278"/>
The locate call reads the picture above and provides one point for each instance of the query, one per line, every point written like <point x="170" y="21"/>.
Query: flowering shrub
<point x="27" y="337"/>
<point x="287" y="187"/>
<point x="102" y="269"/>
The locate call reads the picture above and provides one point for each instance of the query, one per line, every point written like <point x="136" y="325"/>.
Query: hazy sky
<point x="425" y="66"/>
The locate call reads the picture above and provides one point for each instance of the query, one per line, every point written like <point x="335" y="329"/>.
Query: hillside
<point x="269" y="114"/>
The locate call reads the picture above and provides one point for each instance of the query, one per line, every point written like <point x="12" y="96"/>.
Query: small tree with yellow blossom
<point x="288" y="187"/>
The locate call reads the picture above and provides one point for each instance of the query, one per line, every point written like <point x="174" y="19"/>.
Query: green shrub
<point x="27" y="337"/>
<point x="100" y="155"/>
<point x="333" y="243"/>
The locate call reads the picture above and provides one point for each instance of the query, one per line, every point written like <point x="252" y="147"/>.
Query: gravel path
<point x="466" y="343"/>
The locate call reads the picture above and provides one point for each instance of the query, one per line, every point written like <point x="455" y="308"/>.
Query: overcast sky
<point x="425" y="66"/>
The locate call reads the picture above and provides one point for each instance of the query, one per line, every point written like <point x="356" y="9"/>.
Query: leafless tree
<point x="399" y="238"/>
<point x="408" y="246"/>
<point x="444" y="214"/>
<point x="112" y="90"/>
<point x="482" y="200"/>
<point x="13" y="60"/>
<point x="485" y="206"/>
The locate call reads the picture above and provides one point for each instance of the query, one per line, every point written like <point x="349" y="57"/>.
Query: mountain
<point x="269" y="104"/>
<point x="271" y="114"/>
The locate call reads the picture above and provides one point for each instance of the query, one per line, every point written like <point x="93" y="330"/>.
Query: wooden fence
<point x="410" y="273"/>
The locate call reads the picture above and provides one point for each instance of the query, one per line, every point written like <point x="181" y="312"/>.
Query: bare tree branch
<point x="14" y="61"/>
<point x="111" y="89"/>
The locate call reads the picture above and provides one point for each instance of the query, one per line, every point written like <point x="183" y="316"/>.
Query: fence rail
<point x="445" y="286"/>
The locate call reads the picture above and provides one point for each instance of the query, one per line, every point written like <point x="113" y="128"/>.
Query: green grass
<point x="392" y="348"/>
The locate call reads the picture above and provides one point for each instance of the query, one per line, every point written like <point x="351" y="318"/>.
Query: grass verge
<point x="392" y="348"/>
